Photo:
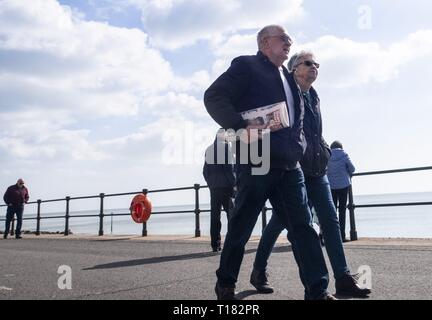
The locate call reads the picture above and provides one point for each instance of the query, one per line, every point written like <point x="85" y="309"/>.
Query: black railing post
<point x="351" y="207"/>
<point x="101" y="214"/>
<point x="38" y="217"/>
<point x="197" y="211"/>
<point x="66" y="232"/>
<point x="264" y="217"/>
<point x="144" y="230"/>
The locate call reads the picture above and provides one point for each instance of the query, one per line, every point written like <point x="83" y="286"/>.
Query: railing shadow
<point x="154" y="260"/>
<point x="283" y="248"/>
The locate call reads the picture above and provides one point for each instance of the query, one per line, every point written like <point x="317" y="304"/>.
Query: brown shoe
<point x="223" y="293"/>
<point x="326" y="296"/>
<point x="348" y="286"/>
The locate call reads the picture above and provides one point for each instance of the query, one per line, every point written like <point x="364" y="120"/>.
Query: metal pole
<point x="197" y="211"/>
<point x="112" y="214"/>
<point x="38" y="218"/>
<point x="351" y="206"/>
<point x="101" y="214"/>
<point x="264" y="217"/>
<point x="144" y="229"/>
<point x="66" y="232"/>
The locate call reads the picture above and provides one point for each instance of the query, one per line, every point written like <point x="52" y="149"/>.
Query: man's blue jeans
<point x="18" y="210"/>
<point x="319" y="193"/>
<point x="287" y="191"/>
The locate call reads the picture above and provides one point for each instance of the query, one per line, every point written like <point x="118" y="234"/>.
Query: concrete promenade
<point x="180" y="267"/>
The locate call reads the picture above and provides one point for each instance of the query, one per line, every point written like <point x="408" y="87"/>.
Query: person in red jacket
<point x="15" y="198"/>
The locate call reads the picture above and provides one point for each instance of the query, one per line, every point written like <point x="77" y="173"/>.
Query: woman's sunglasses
<point x="309" y="63"/>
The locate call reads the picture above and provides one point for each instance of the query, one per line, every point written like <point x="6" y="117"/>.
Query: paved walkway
<point x="179" y="267"/>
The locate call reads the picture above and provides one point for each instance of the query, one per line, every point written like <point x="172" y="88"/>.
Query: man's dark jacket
<point x="15" y="195"/>
<point x="219" y="175"/>
<point x="317" y="155"/>
<point x="251" y="82"/>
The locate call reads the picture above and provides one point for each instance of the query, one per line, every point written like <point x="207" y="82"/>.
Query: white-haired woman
<point x="314" y="163"/>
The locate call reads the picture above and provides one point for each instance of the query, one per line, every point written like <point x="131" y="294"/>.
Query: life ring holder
<point x="141" y="208"/>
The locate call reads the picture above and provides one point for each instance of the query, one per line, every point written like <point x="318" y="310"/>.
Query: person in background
<point x="220" y="179"/>
<point x="15" y="198"/>
<point x="304" y="67"/>
<point x="340" y="171"/>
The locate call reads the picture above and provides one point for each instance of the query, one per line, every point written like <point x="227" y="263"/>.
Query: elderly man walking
<point x="15" y="198"/>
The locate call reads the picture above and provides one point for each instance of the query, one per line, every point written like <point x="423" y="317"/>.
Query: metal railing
<point x="197" y="211"/>
<point x="352" y="206"/>
<point x="101" y="215"/>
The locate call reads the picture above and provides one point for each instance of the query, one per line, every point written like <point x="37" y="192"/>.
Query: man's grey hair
<point x="292" y="63"/>
<point x="268" y="31"/>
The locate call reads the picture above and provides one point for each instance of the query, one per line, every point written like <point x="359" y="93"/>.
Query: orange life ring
<point x="140" y="208"/>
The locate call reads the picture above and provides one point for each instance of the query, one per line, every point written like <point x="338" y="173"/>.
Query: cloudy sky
<point x="106" y="95"/>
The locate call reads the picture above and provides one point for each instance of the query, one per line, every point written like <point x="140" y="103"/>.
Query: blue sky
<point x="106" y="96"/>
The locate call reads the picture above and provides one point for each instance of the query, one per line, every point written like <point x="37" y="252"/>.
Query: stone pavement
<point x="182" y="268"/>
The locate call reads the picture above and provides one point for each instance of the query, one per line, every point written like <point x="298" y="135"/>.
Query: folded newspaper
<point x="273" y="117"/>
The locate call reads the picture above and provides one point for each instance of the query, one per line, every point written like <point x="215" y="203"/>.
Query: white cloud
<point x="177" y="23"/>
<point x="64" y="61"/>
<point x="227" y="49"/>
<point x="195" y="83"/>
<point x="58" y="145"/>
<point x="57" y="70"/>
<point x="347" y="63"/>
<point x="39" y="135"/>
<point x="176" y="106"/>
<point x="149" y="142"/>
<point x="344" y="62"/>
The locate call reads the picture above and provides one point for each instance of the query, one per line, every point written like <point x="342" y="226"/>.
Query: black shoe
<point x="345" y="240"/>
<point x="216" y="245"/>
<point x="259" y="280"/>
<point x="225" y="293"/>
<point x="348" y="286"/>
<point x="5" y="235"/>
<point x="18" y="237"/>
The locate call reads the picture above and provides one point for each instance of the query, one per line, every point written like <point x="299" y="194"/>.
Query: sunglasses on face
<point x="284" y="38"/>
<point x="309" y="63"/>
